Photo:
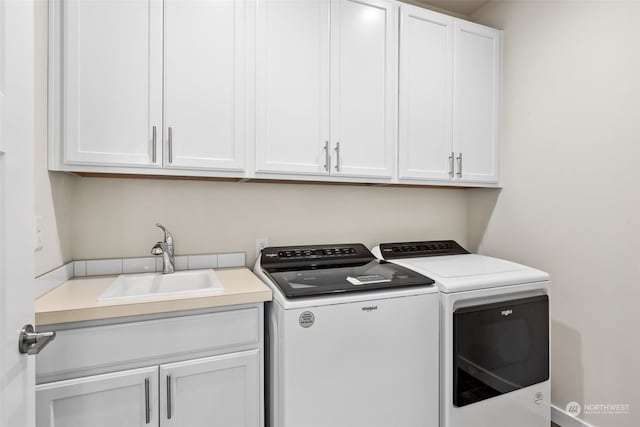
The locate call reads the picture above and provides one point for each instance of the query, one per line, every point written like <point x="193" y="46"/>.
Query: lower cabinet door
<point x="214" y="391"/>
<point x="123" y="399"/>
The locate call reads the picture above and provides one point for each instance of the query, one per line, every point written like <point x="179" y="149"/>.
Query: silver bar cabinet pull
<point x="459" y="158"/>
<point x="153" y="146"/>
<point x="337" y="156"/>
<point x="170" y="143"/>
<point x="451" y="171"/>
<point x="326" y="156"/>
<point x="147" y="404"/>
<point x="168" y="397"/>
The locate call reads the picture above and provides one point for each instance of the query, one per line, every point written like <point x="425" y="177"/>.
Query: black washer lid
<point x="426" y="248"/>
<point x="307" y="271"/>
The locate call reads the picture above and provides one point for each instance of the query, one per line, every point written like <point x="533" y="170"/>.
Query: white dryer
<point x="494" y="336"/>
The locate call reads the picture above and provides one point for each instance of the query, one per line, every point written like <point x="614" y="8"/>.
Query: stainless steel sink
<point x="131" y="286"/>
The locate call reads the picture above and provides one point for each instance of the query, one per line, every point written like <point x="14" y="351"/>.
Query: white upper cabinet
<point x="449" y="99"/>
<point x="476" y="102"/>
<point x="204" y="84"/>
<point x="109" y="105"/>
<point x="292" y="86"/>
<point x="364" y="87"/>
<point x="425" y="107"/>
<point x="326" y="76"/>
<point x="108" y="81"/>
<point x="334" y="90"/>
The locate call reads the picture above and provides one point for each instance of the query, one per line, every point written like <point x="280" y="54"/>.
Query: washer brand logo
<point x="538" y="398"/>
<point x="573" y="408"/>
<point x="370" y="308"/>
<point x="505" y="313"/>
<point x="307" y="319"/>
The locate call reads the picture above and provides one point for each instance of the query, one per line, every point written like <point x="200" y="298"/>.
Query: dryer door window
<point x="499" y="348"/>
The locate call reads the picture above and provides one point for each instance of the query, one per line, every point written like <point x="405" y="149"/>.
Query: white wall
<point x="570" y="203"/>
<point x="116" y="217"/>
<point x="53" y="192"/>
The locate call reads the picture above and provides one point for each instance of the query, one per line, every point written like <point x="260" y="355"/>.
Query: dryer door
<point x="499" y="347"/>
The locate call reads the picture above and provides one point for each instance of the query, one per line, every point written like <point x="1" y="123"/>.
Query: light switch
<point x="39" y="243"/>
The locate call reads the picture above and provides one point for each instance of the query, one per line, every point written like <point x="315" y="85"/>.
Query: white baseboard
<point x="563" y="419"/>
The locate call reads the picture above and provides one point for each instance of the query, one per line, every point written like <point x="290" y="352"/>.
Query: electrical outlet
<point x="261" y="243"/>
<point x="39" y="243"/>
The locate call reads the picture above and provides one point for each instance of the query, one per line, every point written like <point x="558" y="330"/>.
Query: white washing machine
<point x="352" y="341"/>
<point x="494" y="335"/>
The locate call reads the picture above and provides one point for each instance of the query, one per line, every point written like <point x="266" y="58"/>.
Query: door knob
<point x="32" y="342"/>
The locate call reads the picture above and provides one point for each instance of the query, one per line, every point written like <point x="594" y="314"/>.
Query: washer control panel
<point x="314" y="255"/>
<point x="317" y="253"/>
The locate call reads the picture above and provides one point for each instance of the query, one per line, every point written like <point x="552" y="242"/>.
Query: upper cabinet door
<point x="292" y="86"/>
<point x="425" y="108"/>
<point x="110" y="71"/>
<point x="476" y="130"/>
<point x="364" y="87"/>
<point x="205" y="84"/>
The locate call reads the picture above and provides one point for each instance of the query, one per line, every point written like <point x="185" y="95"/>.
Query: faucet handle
<point x="157" y="249"/>
<point x="168" y="238"/>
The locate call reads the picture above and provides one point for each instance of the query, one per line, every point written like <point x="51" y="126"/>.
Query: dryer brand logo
<point x="506" y="313"/>
<point x="370" y="308"/>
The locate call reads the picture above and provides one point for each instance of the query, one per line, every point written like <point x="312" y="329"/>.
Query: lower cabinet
<point x="213" y="391"/>
<point x="223" y="389"/>
<point x="123" y="399"/>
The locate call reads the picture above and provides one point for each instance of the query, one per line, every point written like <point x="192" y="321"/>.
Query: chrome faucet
<point x="165" y="248"/>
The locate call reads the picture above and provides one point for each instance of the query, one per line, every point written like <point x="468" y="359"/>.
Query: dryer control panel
<point x="421" y="249"/>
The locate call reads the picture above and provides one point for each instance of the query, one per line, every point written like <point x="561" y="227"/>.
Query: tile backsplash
<point x="202" y="261"/>
<point x="139" y="265"/>
<point x="50" y="280"/>
<point x="99" y="267"/>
